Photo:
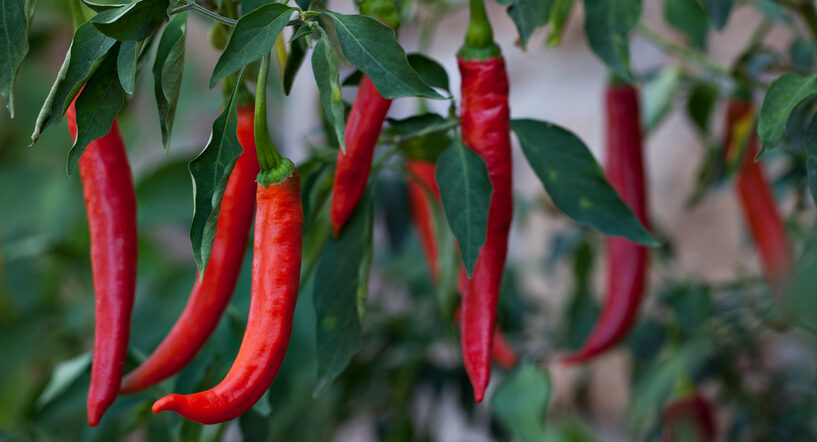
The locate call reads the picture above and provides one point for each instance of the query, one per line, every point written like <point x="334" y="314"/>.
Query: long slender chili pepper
<point x="212" y="294"/>
<point x="352" y="171"/>
<point x="422" y="187"/>
<point x="485" y="121"/>
<point x="689" y="418"/>
<point x="626" y="260"/>
<point x="110" y="202"/>
<point x="756" y="201"/>
<point x="276" y="268"/>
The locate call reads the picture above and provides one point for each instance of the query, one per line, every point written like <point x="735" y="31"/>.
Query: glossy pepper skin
<point x="485" y="121"/>
<point x="352" y="171"/>
<point x="276" y="269"/>
<point x="110" y="203"/>
<point x="757" y="202"/>
<point x="687" y="416"/>
<point x="626" y="261"/>
<point x="210" y="296"/>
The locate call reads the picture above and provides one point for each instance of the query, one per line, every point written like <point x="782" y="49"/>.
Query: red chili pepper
<point x="212" y="294"/>
<point x="626" y="260"/>
<point x="485" y="121"/>
<point x="352" y="171"/>
<point x="276" y="270"/>
<point x="757" y="202"/>
<point x="688" y="415"/>
<point x="420" y="184"/>
<point x="110" y="202"/>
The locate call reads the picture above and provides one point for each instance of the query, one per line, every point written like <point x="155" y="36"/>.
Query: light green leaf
<point x="559" y="16"/>
<point x="659" y="94"/>
<point x="783" y="96"/>
<point x="325" y="69"/>
<point x="64" y="375"/>
<point x="520" y="403"/>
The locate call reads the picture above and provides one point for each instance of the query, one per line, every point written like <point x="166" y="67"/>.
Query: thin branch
<point x="193" y="6"/>
<point x="684" y="53"/>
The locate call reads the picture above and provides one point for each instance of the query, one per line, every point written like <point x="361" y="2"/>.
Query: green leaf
<point x="325" y="69"/>
<point x="465" y="192"/>
<point x="84" y="56"/>
<point x="210" y="171"/>
<point x="253" y="425"/>
<point x="134" y="21"/>
<point x="335" y="293"/>
<point x="607" y="25"/>
<point x="104" y="5"/>
<point x="810" y="147"/>
<point x="431" y="72"/>
<point x="248" y="6"/>
<point x="700" y="104"/>
<point x="126" y="65"/>
<point x="97" y="107"/>
<point x="576" y="182"/>
<point x="167" y="73"/>
<point x="64" y="375"/>
<point x="254" y="35"/>
<point x="559" y="16"/>
<point x="528" y="15"/>
<point x="689" y="18"/>
<point x="659" y="93"/>
<point x="783" y="96"/>
<point x="13" y="47"/>
<point x="295" y="58"/>
<point x="372" y="47"/>
<point x="802" y="53"/>
<point x="718" y="11"/>
<point x="520" y="403"/>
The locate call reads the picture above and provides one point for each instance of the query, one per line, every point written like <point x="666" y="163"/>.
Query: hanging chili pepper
<point x="485" y="121"/>
<point x="689" y="418"/>
<point x="276" y="269"/>
<point x="110" y="202"/>
<point x="212" y="294"/>
<point x="757" y="202"/>
<point x="626" y="260"/>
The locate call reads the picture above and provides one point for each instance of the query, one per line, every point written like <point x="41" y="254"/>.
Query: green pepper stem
<point x="268" y="157"/>
<point x="479" y="37"/>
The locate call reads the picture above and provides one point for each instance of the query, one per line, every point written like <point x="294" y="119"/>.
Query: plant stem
<point x="203" y="11"/>
<point x="682" y="52"/>
<point x="268" y="157"/>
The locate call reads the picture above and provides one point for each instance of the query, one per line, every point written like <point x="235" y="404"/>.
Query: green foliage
<point x="134" y="21"/>
<point x="167" y="73"/>
<point x="325" y="69"/>
<point x="520" y="402"/>
<point x="14" y="21"/>
<point x="607" y="24"/>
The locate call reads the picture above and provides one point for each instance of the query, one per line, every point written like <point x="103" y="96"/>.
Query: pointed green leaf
<point x="372" y="47"/>
<point x="210" y="171"/>
<point x="64" y="375"/>
<point x="254" y="35"/>
<point x="559" y="16"/>
<point x="718" y="11"/>
<point x="576" y="182"/>
<point x="689" y="18"/>
<point x="134" y="21"/>
<point x="520" y="403"/>
<point x="84" y="56"/>
<point x="659" y="94"/>
<point x="295" y="58"/>
<point x="430" y="71"/>
<point x="126" y="65"/>
<point x="100" y="102"/>
<point x="104" y="5"/>
<point x="700" y="104"/>
<point x="607" y="25"/>
<point x="325" y="69"/>
<point x="13" y="46"/>
<point x="528" y="15"/>
<point x="783" y="96"/>
<point x="465" y="191"/>
<point x="167" y="73"/>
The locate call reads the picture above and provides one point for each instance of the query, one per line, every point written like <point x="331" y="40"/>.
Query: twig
<point x="682" y="52"/>
<point x="193" y="6"/>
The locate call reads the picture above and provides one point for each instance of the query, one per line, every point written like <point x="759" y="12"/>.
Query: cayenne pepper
<point x="210" y="296"/>
<point x="689" y="418"/>
<point x="485" y="121"/>
<point x="110" y="203"/>
<point x="756" y="201"/>
<point x="626" y="261"/>
<point x="276" y="268"/>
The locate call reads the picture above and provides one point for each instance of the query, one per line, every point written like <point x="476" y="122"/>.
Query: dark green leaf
<point x="700" y="105"/>
<point x="607" y="25"/>
<point x="97" y="107"/>
<point x="295" y="58"/>
<point x="336" y="287"/>
<point x="167" y="73"/>
<point x="802" y="53"/>
<point x="774" y="10"/>
<point x="13" y="46"/>
<point x="83" y="58"/>
<point x="783" y="96"/>
<point x="559" y="15"/>
<point x="659" y="94"/>
<point x="465" y="192"/>
<point x="248" y="6"/>
<point x="126" y="65"/>
<point x="810" y="148"/>
<point x="134" y="21"/>
<point x="528" y="15"/>
<point x="689" y="18"/>
<point x="210" y="171"/>
<point x="692" y="306"/>
<point x="372" y="47"/>
<point x="718" y="11"/>
<point x="800" y="301"/>
<point x="253" y="426"/>
<point x="520" y="403"/>
<point x="254" y="35"/>
<point x="325" y="69"/>
<point x="104" y="5"/>
<point x="64" y="375"/>
<point x="575" y="181"/>
<point x="431" y="72"/>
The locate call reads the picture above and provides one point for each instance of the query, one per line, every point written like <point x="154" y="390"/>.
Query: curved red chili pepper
<point x="626" y="260"/>
<point x="690" y="413"/>
<point x="110" y="202"/>
<point x="276" y="272"/>
<point x="485" y="121"/>
<point x="758" y="204"/>
<point x="420" y="183"/>
<point x="352" y="171"/>
<point x="212" y="294"/>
